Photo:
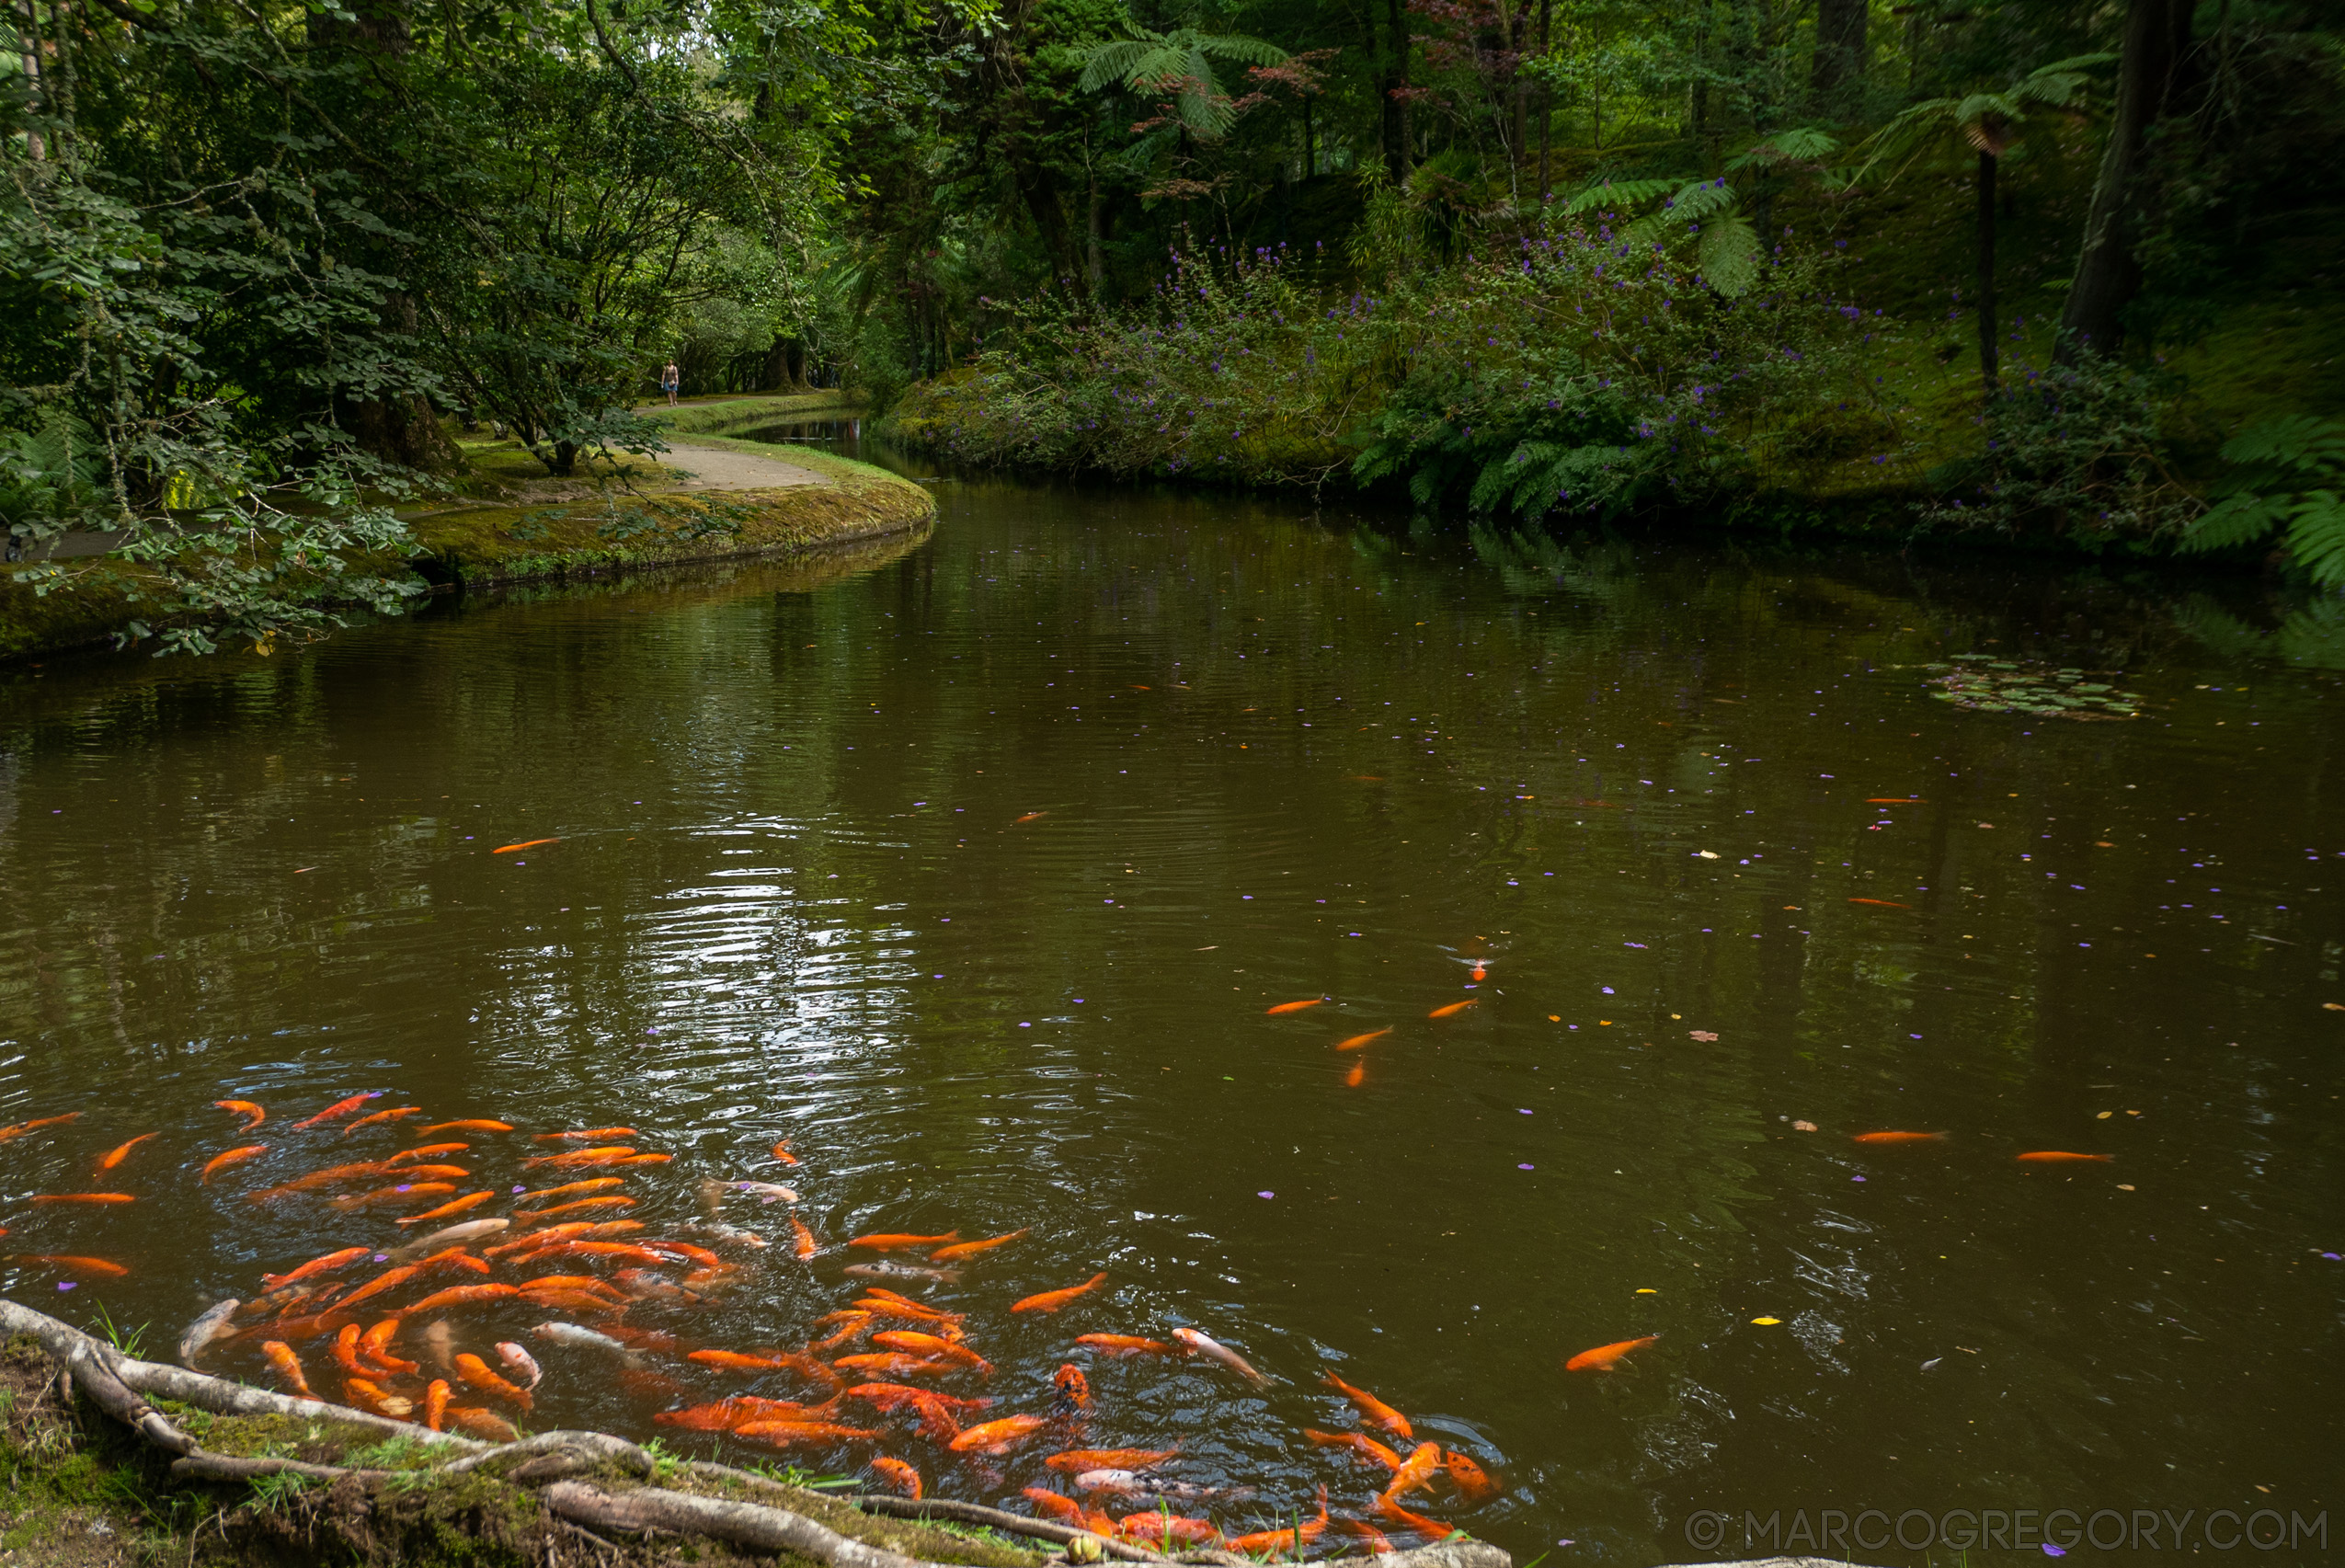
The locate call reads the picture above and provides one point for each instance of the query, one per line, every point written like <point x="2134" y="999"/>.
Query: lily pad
<point x="1984" y="684"/>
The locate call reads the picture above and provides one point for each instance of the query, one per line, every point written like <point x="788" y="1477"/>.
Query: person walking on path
<point x="670" y="379"/>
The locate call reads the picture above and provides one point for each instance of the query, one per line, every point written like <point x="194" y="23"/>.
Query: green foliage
<point x="2288" y="473"/>
<point x="1989" y="122"/>
<point x="1177" y="65"/>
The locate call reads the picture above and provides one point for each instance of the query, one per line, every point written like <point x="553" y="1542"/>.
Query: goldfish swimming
<point x="316" y="1266"/>
<point x="582" y="1283"/>
<point x="732" y="1235"/>
<point x="1126" y="1344"/>
<point x="206" y="1329"/>
<point x="407" y="1192"/>
<point x="1294" y="1006"/>
<point x="338" y="1109"/>
<point x="643" y="1160"/>
<point x="286" y="1365"/>
<point x="767" y="1192"/>
<point x="627" y="1250"/>
<point x="1604" y="1358"/>
<point x="591" y="1184"/>
<point x="470" y="1200"/>
<point x="895" y="1363"/>
<point x="254" y="1115"/>
<point x="727" y="1413"/>
<point x="1454" y="1008"/>
<point x="1901" y="1138"/>
<point x="765" y="1361"/>
<point x="586" y="1136"/>
<point x="1374" y="1541"/>
<point x="889" y="1268"/>
<point x="1356" y="1041"/>
<point x="1363" y="1447"/>
<point x="345" y="1352"/>
<point x="887" y="1304"/>
<point x="1213" y="1350"/>
<point x="1881" y="903"/>
<point x="233" y="1157"/>
<point x="700" y="1256"/>
<point x="2054" y="1156"/>
<point x="375" y="1345"/>
<point x="608" y="1155"/>
<point x="855" y="1323"/>
<point x="929" y="1345"/>
<point x="1050" y="1505"/>
<point x="1033" y="816"/>
<point x="464" y="1295"/>
<point x="971" y="1249"/>
<point x="519" y="1361"/>
<point x="1432" y="1529"/>
<point x="365" y="1394"/>
<point x="524" y="844"/>
<point x="1415" y="1470"/>
<point x="378" y="1117"/>
<point x="1163" y="1530"/>
<point x="582" y="1206"/>
<point x="1274" y="1542"/>
<point x="1074" y="1388"/>
<point x="575" y="1335"/>
<point x="326" y="1178"/>
<point x="998" y="1437"/>
<point x="472" y="1370"/>
<point x="7" y="1133"/>
<point x="74" y="1261"/>
<point x="782" y="1152"/>
<point x="783" y="1434"/>
<point x="805" y="1246"/>
<point x="83" y="1197"/>
<point x="895" y="1396"/>
<point x="1074" y="1461"/>
<point x="120" y="1152"/>
<point x="895" y="1242"/>
<point x="902" y="1477"/>
<point x="435" y="1404"/>
<point x="1051" y="1300"/>
<point x="1357" y="1076"/>
<point x="477" y="1125"/>
<point x="471" y="1230"/>
<point x="1374" y="1411"/>
<point x="486" y="1426"/>
<point x="426" y="1152"/>
<point x="390" y="1279"/>
<point x="1473" y="1483"/>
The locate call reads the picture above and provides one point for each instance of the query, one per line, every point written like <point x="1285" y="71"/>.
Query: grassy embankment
<point x="504" y="520"/>
<point x="82" y="1491"/>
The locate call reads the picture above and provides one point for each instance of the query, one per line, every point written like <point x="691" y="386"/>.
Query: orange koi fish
<point x="366" y="1395"/>
<point x="407" y="1192"/>
<point x="578" y="1304"/>
<point x="1200" y="1344"/>
<point x="586" y="1136"/>
<point x="610" y="1155"/>
<point x="804" y="1245"/>
<point x="8" y="1133"/>
<point x="1374" y="1411"/>
<point x="584" y="1206"/>
<point x="1454" y="1008"/>
<point x="1415" y="1470"/>
<point x="893" y="1241"/>
<point x="381" y="1117"/>
<point x="1050" y="1505"/>
<point x="463" y="1296"/>
<point x="1074" y="1461"/>
<point x="1293" y="1539"/>
<point x="74" y="1261"/>
<point x="435" y="1404"/>
<point x="584" y="1282"/>
<point x="1604" y="1358"/>
<point x="1472" y="1482"/>
<point x="903" y="1478"/>
<point x="339" y="1108"/>
<point x="1364" y="1449"/>
<point x="524" y="844"/>
<point x="345" y="1352"/>
<point x="233" y="1157"/>
<point x="764" y="1361"/>
<point x="375" y="1345"/>
<point x="728" y="1414"/>
<point x="856" y="1323"/>
<point x="644" y="1159"/>
<point x="476" y="1124"/>
<point x="931" y="1347"/>
<point x="783" y="1434"/>
<point x="895" y="1363"/>
<point x="782" y="1152"/>
<point x="1901" y="1138"/>
<point x="390" y="1279"/>
<point x="998" y="1437"/>
<point x="254" y="1115"/>
<point x="116" y="1155"/>
<point x="591" y="1184"/>
<point x="324" y="1178"/>
<point x="1432" y="1529"/>
<point x="1051" y="1300"/>
<point x="971" y="1249"/>
<point x="1165" y="1531"/>
<point x="1357" y="1076"/>
<point x="1356" y="1041"/>
<point x="486" y="1426"/>
<point x="316" y="1266"/>
<point x="1294" y="1006"/>
<point x="286" y="1365"/>
<point x="2054" y="1156"/>
<point x="895" y="1306"/>
<point x="470" y="1200"/>
<point x="1074" y="1388"/>
<point x="895" y="1396"/>
<point x="1033" y="816"/>
<point x="472" y="1370"/>
<point x="83" y="1197"/>
<point x="1881" y="903"/>
<point x="627" y="1250"/>
<point x="569" y="1230"/>
<point x="700" y="1256"/>
<point x="1126" y="1344"/>
<point x="426" y="1151"/>
<point x="1374" y="1541"/>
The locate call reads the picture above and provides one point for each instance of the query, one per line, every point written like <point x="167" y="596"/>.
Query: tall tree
<point x="2157" y="35"/>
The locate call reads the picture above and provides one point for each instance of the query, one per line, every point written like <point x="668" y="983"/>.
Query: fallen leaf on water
<point x="1704" y="1036"/>
<point x="2124" y="1186"/>
<point x="1705" y="854"/>
<point x="2103" y="1115"/>
<point x="1804" y="1126"/>
<point x="1647" y="1290"/>
<point x="1767" y="1323"/>
<point x="524" y="844"/>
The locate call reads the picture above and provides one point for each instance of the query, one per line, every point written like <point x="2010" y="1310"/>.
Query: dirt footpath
<point x="715" y="468"/>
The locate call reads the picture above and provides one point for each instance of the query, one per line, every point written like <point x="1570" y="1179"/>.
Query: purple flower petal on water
<point x="403" y="1188"/>
<point x="1526" y="1167"/>
<point x="1856" y="1178"/>
<point x="69" y="1285"/>
<point x="383" y="1257"/>
<point x="519" y="1187"/>
<point x="2052" y="1550"/>
<point x="1265" y="1194"/>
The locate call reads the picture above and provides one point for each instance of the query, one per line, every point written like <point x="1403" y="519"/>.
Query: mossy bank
<point x="504" y="521"/>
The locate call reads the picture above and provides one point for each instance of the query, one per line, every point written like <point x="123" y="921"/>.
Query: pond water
<point x="979" y="870"/>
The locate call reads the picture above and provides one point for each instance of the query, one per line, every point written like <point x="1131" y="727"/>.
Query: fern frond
<point x="1729" y="254"/>
<point x="1241" y="47"/>
<point x="1619" y="193"/>
<point x="2292" y="440"/>
<point x="1801" y="144"/>
<point x="2239" y="520"/>
<point x="2316" y="537"/>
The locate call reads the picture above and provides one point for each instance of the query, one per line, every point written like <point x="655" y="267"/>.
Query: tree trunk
<point x="1839" y="49"/>
<point x="1546" y="112"/>
<point x="1987" y="343"/>
<point x="1094" y="240"/>
<point x="2107" y="273"/>
<point x="1396" y="84"/>
<point x="1518" y="110"/>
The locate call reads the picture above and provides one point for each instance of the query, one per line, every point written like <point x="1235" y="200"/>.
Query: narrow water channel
<point x="977" y="872"/>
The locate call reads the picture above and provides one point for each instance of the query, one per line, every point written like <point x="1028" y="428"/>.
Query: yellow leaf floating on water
<point x="1647" y="1290"/>
<point x="1767" y="1323"/>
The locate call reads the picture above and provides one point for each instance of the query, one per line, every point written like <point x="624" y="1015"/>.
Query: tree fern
<point x="1180" y="62"/>
<point x="2290" y="473"/>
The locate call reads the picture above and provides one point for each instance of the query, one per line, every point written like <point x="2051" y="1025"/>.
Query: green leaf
<point x="2241" y="520"/>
